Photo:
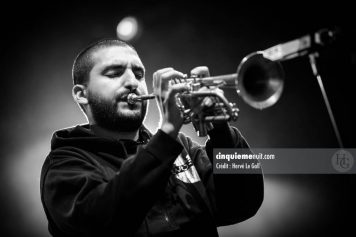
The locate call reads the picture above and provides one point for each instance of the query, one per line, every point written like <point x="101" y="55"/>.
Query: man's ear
<point x="80" y="94"/>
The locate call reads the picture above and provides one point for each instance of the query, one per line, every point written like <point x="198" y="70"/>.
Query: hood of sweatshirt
<point x="81" y="136"/>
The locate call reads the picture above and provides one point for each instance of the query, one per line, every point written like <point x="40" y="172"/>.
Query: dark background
<point x="40" y="41"/>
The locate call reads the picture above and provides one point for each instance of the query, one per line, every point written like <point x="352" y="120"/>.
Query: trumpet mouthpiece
<point x="132" y="98"/>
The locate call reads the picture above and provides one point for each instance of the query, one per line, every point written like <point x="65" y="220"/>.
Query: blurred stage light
<point x="127" y="28"/>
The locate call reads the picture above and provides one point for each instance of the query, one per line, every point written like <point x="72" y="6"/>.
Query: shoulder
<point x="69" y="157"/>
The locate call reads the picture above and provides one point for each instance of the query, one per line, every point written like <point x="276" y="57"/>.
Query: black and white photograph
<point x="178" y="118"/>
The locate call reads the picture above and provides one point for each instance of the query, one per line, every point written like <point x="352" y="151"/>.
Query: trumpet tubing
<point x="227" y="81"/>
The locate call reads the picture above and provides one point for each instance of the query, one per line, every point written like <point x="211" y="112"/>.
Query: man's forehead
<point x="116" y="55"/>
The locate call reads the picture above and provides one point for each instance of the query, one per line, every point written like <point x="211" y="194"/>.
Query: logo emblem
<point x="342" y="161"/>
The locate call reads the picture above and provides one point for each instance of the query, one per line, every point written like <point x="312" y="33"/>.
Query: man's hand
<point x="172" y="119"/>
<point x="202" y="104"/>
<point x="166" y="83"/>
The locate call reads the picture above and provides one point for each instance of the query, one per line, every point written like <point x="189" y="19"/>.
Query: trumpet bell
<point x="259" y="80"/>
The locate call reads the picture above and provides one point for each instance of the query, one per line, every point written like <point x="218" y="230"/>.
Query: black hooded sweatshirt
<point x="95" y="186"/>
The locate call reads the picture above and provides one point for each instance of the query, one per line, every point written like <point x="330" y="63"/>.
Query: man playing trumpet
<point x="112" y="177"/>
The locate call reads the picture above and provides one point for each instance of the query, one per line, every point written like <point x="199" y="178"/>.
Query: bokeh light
<point x="127" y="28"/>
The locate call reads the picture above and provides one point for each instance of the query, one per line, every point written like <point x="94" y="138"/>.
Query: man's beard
<point x="107" y="115"/>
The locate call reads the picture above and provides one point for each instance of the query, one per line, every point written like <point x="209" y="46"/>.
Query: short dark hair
<point x="83" y="63"/>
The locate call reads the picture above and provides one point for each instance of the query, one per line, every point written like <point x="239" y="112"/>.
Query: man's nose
<point x="131" y="81"/>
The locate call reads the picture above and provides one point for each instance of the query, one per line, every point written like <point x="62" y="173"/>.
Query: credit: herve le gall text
<point x="233" y="165"/>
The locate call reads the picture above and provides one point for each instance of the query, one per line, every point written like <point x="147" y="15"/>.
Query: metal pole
<point x="312" y="59"/>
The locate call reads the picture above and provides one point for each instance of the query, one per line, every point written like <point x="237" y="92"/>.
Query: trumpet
<point x="258" y="80"/>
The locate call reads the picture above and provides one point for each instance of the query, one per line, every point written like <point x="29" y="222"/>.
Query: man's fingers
<point x="201" y="71"/>
<point x="161" y="71"/>
<point x="162" y="77"/>
<point x="177" y="88"/>
<point x="165" y="75"/>
<point x="169" y="75"/>
<point x="157" y="77"/>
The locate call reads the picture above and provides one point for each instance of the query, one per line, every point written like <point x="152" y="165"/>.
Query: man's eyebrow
<point x="113" y="67"/>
